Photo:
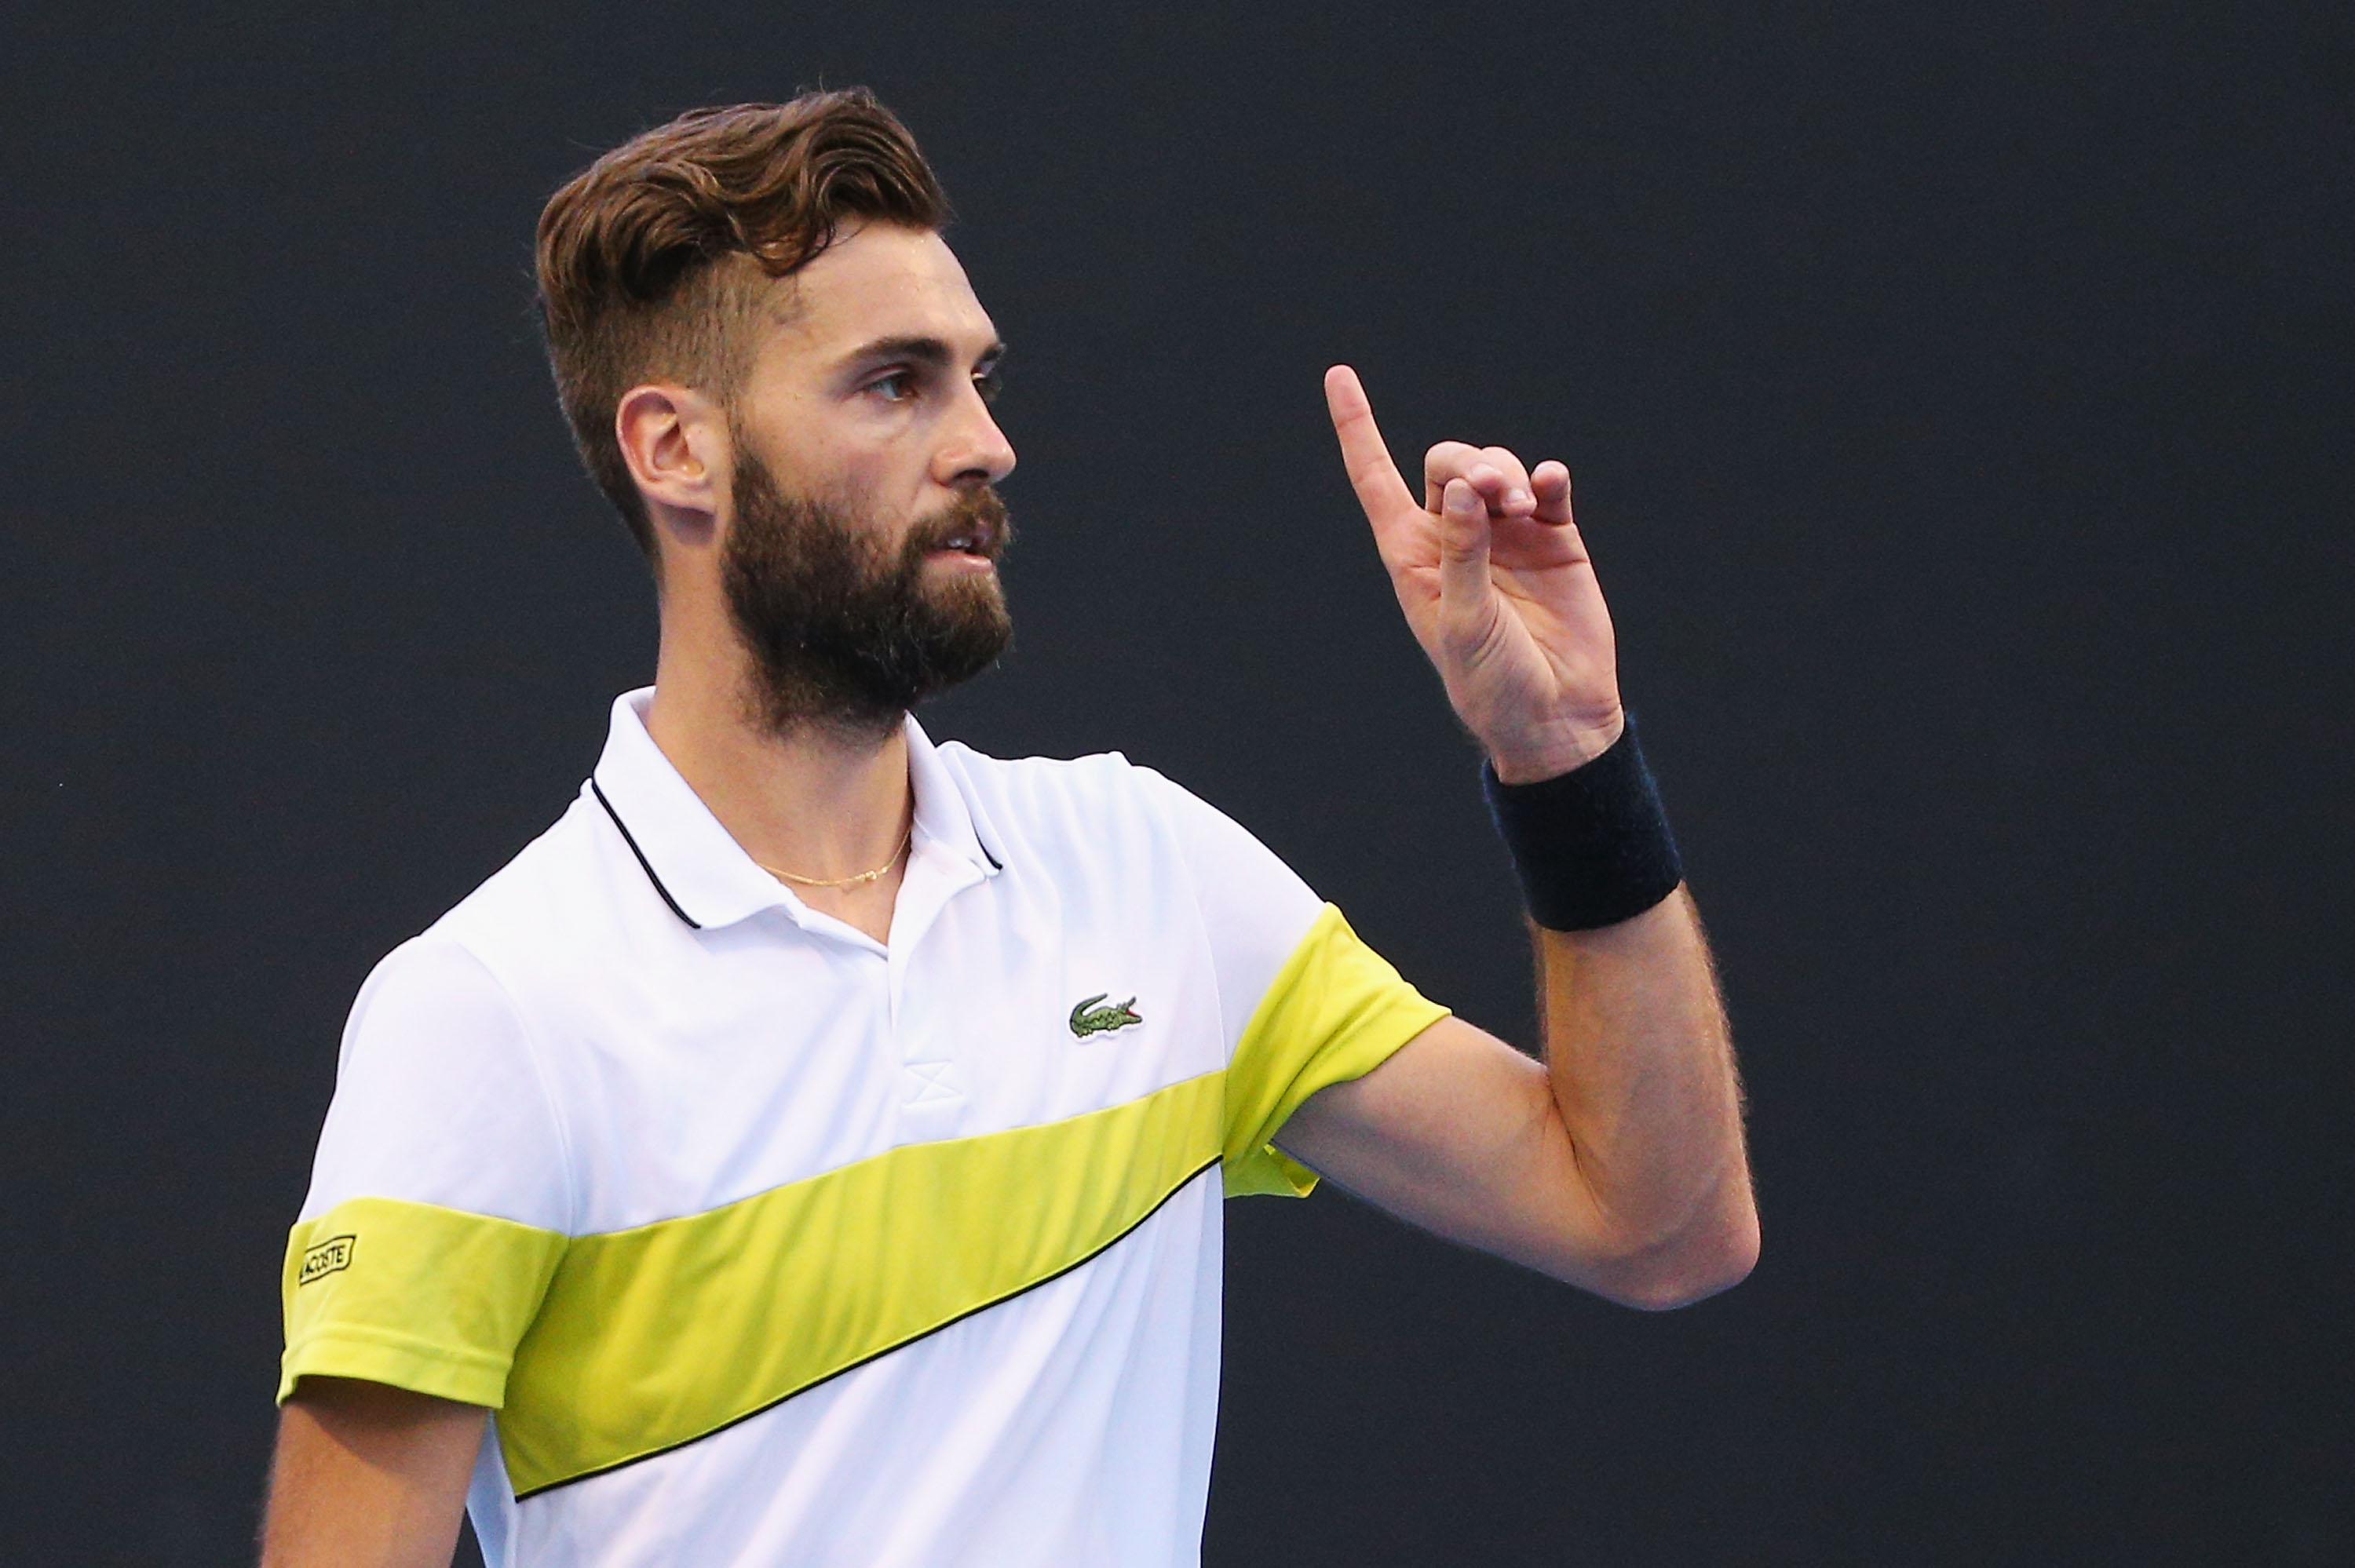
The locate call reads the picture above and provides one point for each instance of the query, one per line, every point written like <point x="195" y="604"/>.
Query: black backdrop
<point x="1960" y="402"/>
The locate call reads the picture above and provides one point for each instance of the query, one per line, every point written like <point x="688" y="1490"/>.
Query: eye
<point x="988" y="383"/>
<point x="895" y="387"/>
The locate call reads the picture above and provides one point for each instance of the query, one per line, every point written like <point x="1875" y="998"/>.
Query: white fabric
<point x="564" y="1050"/>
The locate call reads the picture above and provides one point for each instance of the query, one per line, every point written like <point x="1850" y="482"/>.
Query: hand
<point x="1497" y="587"/>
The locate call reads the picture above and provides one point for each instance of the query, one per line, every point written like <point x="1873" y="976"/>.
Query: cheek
<point x="829" y="450"/>
<point x="875" y="466"/>
<point x="888" y="486"/>
<point x="863" y="478"/>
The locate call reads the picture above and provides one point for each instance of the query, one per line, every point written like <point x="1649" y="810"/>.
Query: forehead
<point x="882" y="281"/>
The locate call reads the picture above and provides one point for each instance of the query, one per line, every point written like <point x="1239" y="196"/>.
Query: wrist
<point x="1561" y="747"/>
<point x="1591" y="846"/>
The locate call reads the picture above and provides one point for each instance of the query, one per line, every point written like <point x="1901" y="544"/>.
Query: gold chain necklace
<point x="861" y="880"/>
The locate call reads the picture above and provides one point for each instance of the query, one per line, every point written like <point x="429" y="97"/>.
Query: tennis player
<point x="810" y="1151"/>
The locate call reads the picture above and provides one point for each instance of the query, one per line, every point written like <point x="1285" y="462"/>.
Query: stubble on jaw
<point x="844" y="633"/>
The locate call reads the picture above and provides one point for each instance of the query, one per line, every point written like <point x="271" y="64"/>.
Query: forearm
<point x="1619" y="1165"/>
<point x="367" y="1476"/>
<point x="1641" y="1067"/>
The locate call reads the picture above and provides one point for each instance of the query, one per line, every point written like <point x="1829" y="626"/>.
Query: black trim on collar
<point x="994" y="864"/>
<point x="643" y="865"/>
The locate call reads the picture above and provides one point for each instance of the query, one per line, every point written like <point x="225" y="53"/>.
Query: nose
<point x="977" y="451"/>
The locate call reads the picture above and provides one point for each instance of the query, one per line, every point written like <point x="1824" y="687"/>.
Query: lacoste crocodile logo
<point x="1089" y="1019"/>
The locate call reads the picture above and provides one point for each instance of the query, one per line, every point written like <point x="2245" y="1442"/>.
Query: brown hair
<point x="652" y="259"/>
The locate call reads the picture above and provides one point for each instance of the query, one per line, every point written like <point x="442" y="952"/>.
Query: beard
<point x="845" y="634"/>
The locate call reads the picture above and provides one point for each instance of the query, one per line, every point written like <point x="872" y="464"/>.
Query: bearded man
<point x="809" y="1150"/>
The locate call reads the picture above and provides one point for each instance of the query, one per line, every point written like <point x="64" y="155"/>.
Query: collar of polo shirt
<point x="700" y="870"/>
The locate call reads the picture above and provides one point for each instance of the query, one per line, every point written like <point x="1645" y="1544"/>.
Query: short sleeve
<point x="439" y="1200"/>
<point x="1305" y="1003"/>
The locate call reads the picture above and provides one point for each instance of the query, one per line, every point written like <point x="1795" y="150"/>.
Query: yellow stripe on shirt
<point x="609" y="1348"/>
<point x="654" y="1337"/>
<point x="1336" y="1012"/>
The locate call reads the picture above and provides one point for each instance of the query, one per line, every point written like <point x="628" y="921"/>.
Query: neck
<point x="818" y="802"/>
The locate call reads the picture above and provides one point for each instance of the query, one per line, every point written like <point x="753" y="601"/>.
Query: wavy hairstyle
<point x="654" y="260"/>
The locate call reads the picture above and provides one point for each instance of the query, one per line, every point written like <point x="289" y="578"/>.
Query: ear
<point x="676" y="442"/>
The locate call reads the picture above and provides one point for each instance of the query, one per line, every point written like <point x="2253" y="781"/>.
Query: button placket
<point x="932" y="1075"/>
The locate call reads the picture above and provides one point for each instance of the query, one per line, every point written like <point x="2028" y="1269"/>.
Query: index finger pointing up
<point x="1380" y="491"/>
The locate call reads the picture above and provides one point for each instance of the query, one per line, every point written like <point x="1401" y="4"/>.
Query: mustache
<point x="976" y="518"/>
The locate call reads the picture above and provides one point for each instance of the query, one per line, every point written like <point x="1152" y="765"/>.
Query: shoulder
<point x="542" y="874"/>
<point x="1106" y="814"/>
<point x="464" y="993"/>
<point x="1101" y="806"/>
<point x="528" y="915"/>
<point x="1038" y="802"/>
<point x="440" y="1096"/>
<point x="443" y="1092"/>
<point x="1033" y="784"/>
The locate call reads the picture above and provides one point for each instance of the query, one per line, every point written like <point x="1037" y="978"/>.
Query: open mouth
<point x="968" y="539"/>
<point x="969" y="535"/>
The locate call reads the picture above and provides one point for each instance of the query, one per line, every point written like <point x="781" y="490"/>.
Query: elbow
<point x="1703" y="1261"/>
<point x="1710" y="1270"/>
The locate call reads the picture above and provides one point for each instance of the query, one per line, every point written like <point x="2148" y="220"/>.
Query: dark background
<point x="1960" y="401"/>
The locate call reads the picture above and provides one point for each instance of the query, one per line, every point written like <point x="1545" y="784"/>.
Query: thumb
<point x="1464" y="586"/>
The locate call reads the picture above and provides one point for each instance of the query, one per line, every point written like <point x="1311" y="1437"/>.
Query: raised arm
<point x="1618" y="1163"/>
<point x="366" y="1475"/>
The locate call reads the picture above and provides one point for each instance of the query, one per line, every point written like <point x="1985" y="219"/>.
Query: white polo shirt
<point x="771" y="1244"/>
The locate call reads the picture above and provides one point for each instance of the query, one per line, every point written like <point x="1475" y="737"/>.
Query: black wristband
<point x="1592" y="846"/>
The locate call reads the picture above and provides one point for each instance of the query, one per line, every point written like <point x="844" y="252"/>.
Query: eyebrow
<point x="930" y="352"/>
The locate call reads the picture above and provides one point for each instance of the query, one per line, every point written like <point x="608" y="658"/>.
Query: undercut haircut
<point x="654" y="262"/>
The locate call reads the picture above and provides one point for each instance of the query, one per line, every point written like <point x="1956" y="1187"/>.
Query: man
<point x="804" y="1151"/>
